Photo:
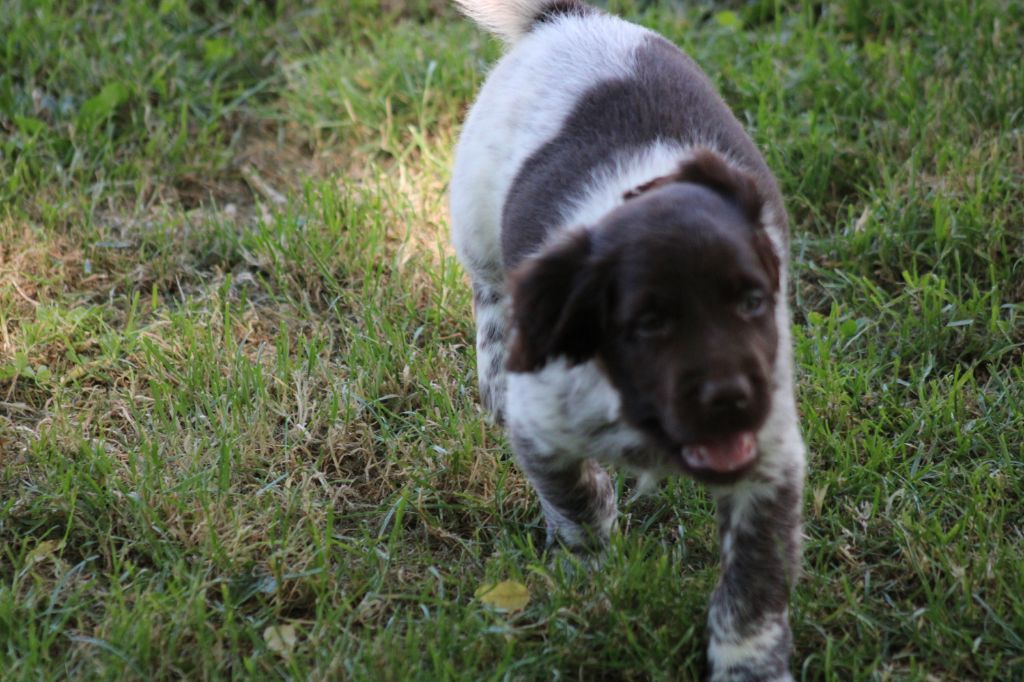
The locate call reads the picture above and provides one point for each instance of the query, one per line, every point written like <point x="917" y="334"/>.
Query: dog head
<point x="673" y="294"/>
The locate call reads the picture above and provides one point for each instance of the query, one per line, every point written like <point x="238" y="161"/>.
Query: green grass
<point x="236" y="370"/>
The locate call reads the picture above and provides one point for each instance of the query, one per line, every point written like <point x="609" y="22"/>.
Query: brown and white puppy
<point x="627" y="247"/>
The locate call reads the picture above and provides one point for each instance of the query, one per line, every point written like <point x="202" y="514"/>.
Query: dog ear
<point x="557" y="305"/>
<point x="769" y="259"/>
<point x="711" y="170"/>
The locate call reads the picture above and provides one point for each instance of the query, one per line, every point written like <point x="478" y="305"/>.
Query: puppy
<point x="627" y="248"/>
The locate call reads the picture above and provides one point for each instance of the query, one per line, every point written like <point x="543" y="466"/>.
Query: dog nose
<point x="726" y="396"/>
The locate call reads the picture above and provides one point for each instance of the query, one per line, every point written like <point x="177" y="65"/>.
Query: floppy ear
<point x="766" y="254"/>
<point x="557" y="305"/>
<point x="711" y="170"/>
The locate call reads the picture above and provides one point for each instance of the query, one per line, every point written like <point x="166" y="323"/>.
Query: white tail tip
<point x="507" y="19"/>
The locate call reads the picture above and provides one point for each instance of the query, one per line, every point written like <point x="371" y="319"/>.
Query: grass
<point x="236" y="370"/>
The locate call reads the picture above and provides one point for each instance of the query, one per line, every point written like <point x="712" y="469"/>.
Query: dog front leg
<point x="490" y="309"/>
<point x="576" y="495"/>
<point x="759" y="531"/>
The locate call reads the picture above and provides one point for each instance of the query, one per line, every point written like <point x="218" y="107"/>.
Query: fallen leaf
<point x="729" y="19"/>
<point x="42" y="551"/>
<point x="280" y="639"/>
<point x="508" y="595"/>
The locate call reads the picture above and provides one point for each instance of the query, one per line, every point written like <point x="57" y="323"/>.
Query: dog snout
<point x="725" y="398"/>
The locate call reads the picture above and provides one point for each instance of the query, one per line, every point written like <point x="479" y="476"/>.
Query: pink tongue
<point x="722" y="456"/>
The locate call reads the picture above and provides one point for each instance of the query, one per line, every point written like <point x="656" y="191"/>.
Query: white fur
<point x="523" y="104"/>
<point x="724" y="653"/>
<point x="508" y="19"/>
<point x="490" y="355"/>
<point x="606" y="189"/>
<point x="557" y="409"/>
<point x="728" y="541"/>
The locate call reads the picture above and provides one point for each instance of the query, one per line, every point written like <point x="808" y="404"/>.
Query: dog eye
<point x="753" y="303"/>
<point x="650" y="324"/>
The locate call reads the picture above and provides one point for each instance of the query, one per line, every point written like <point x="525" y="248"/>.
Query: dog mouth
<point x="727" y="455"/>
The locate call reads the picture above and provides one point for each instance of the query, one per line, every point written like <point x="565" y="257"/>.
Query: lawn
<point x="239" y="428"/>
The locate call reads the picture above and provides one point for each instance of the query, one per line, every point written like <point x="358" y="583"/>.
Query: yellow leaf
<point x="43" y="550"/>
<point x="729" y="19"/>
<point x="280" y="639"/>
<point x="508" y="595"/>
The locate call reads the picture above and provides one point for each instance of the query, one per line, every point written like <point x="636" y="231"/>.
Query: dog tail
<point x="510" y="20"/>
